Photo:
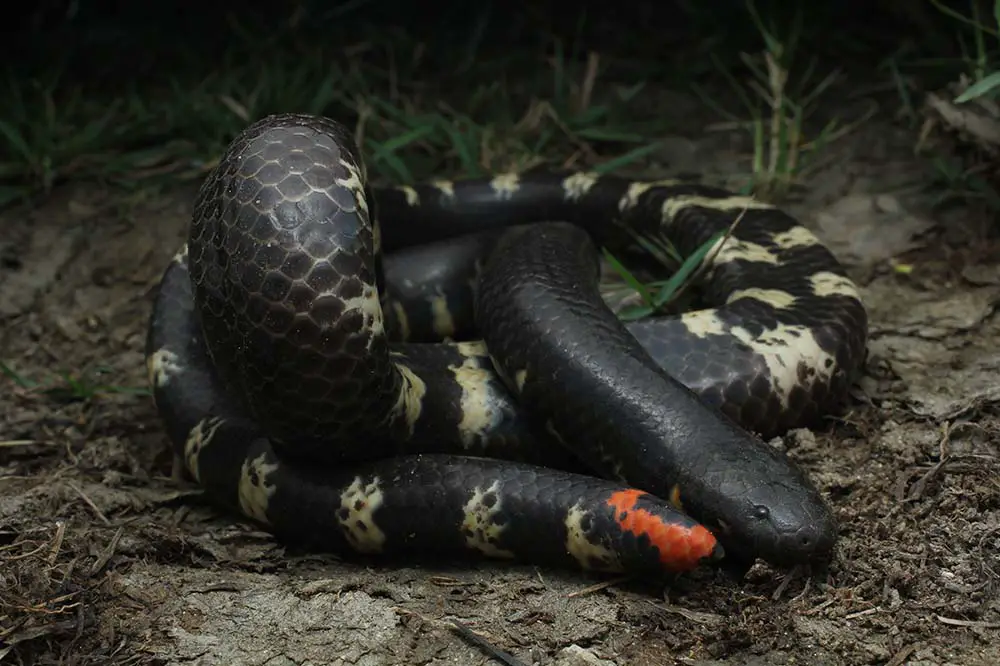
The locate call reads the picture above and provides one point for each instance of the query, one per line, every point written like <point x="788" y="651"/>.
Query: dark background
<point x="111" y="113"/>
<point x="88" y="86"/>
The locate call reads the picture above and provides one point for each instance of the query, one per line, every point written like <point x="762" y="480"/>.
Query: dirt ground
<point x="104" y="560"/>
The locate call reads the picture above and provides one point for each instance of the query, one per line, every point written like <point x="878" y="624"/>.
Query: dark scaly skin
<point x="721" y="371"/>
<point x="426" y="278"/>
<point x="620" y="411"/>
<point x="324" y="388"/>
<point x="421" y="510"/>
<point x="535" y="498"/>
<point x="270" y="290"/>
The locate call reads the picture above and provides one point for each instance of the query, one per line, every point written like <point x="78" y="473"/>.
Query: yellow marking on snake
<point x="479" y="526"/>
<point x="409" y="403"/>
<point x="411" y="195"/>
<point x="703" y="323"/>
<point x="636" y="190"/>
<point x="674" y="205"/>
<point x="198" y="438"/>
<point x="791" y="353"/>
<point x="675" y="497"/>
<point x="254" y="490"/>
<point x="443" y="323"/>
<point x="793" y="357"/>
<point x="775" y="297"/>
<point x="590" y="555"/>
<point x="521" y="376"/>
<point x="577" y="185"/>
<point x="368" y="304"/>
<point x="797" y="236"/>
<point x="446" y="187"/>
<point x="479" y="410"/>
<point x="358" y="504"/>
<point x="161" y="366"/>
<point x="505" y="185"/>
<point x="181" y="255"/>
<point x="402" y="318"/>
<point x="733" y="249"/>
<point x="473" y="348"/>
<point x="355" y="183"/>
<point x="830" y="284"/>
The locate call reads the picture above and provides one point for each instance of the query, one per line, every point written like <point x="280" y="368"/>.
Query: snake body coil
<point x="282" y="359"/>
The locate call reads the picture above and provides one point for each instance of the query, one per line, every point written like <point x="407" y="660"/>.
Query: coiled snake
<point x="314" y="388"/>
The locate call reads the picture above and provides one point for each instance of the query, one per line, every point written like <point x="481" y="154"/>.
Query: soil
<point x="104" y="559"/>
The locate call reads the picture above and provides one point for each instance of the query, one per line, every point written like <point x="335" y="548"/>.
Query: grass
<point x="506" y="111"/>
<point x="476" y="114"/>
<point x="778" y="107"/>
<point x="962" y="87"/>
<point x="68" y="387"/>
<point x="407" y="129"/>
<point x="51" y="134"/>
<point x="479" y="111"/>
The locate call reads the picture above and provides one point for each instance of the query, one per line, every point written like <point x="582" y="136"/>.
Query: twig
<point x="789" y="577"/>
<point x="589" y="79"/>
<point x="90" y="503"/>
<point x="777" y="80"/>
<point x="688" y="614"/>
<point x="597" y="587"/>
<point x="468" y="635"/>
<point x="710" y="257"/>
<point x="481" y="643"/>
<point x="904" y="653"/>
<point x="979" y="624"/>
<point x="57" y="542"/>
<point x="917" y="491"/>
<point x="105" y="557"/>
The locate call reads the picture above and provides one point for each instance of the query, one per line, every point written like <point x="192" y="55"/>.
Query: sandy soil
<point x="104" y="560"/>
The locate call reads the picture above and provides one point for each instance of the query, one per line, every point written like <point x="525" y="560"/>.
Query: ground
<point x="105" y="559"/>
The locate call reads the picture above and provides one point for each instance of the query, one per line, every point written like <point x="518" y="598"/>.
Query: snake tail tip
<point x="682" y="545"/>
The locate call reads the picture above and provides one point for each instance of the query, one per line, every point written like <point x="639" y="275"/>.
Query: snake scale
<point x="432" y="370"/>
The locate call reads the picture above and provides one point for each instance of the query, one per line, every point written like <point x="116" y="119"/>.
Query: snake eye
<point x="761" y="512"/>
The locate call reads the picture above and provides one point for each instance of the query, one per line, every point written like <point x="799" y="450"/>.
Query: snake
<point x="433" y="371"/>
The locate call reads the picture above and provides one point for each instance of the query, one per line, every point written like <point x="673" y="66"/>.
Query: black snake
<point x="422" y="406"/>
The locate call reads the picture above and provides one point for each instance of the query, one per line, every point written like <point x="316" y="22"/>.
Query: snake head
<point x="783" y="521"/>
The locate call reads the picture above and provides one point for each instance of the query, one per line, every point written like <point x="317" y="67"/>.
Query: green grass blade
<point x="629" y="278"/>
<point x="980" y="88"/>
<point x="12" y="375"/>
<point x="689" y="266"/>
<point x="630" y="157"/>
<point x="17" y="141"/>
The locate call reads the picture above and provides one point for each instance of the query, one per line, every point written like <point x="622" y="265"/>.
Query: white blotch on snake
<point x="356" y="516"/>
<point x="254" y="489"/>
<point x="577" y="185"/>
<point x="198" y="438"/>
<point x="481" y="531"/>
<point x="592" y="556"/>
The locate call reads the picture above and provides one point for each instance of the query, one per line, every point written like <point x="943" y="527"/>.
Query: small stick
<point x="481" y="643"/>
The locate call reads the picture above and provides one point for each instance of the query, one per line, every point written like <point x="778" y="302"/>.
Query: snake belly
<point x="276" y="363"/>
